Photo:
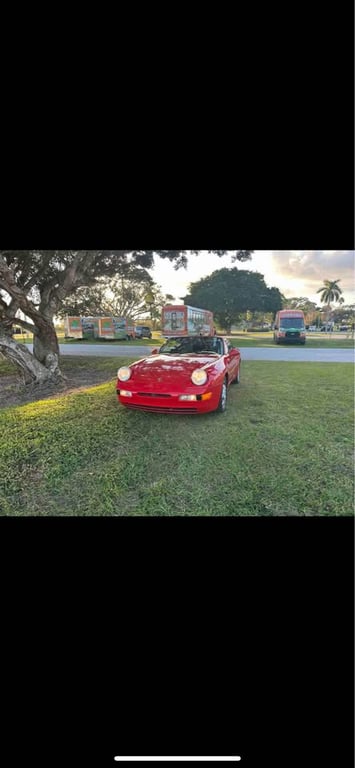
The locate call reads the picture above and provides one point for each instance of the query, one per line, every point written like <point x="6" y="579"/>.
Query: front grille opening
<point x="160" y="409"/>
<point x="151" y="394"/>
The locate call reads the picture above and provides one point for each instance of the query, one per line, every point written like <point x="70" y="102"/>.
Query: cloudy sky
<point x="295" y="273"/>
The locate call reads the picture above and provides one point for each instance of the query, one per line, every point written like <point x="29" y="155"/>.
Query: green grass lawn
<point x="284" y="447"/>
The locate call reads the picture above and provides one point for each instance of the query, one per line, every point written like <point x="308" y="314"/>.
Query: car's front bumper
<point x="168" y="403"/>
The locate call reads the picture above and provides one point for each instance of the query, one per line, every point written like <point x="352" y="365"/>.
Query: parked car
<point x="190" y="374"/>
<point x="311" y="328"/>
<point x="143" y="332"/>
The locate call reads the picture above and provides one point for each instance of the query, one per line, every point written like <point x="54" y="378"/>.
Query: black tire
<point x="237" y="378"/>
<point x="222" y="405"/>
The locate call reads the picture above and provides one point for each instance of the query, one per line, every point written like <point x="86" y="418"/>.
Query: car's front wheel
<point x="237" y="378"/>
<point x="222" y="405"/>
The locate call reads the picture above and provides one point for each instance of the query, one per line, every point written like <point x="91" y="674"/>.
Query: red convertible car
<point x="187" y="375"/>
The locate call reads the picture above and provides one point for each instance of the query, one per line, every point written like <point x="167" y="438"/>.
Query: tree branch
<point x="8" y="283"/>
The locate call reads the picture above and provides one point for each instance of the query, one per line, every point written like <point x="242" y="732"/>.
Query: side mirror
<point x="155" y="352"/>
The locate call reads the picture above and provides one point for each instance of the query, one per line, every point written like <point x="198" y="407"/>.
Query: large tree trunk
<point x="46" y="350"/>
<point x="42" y="367"/>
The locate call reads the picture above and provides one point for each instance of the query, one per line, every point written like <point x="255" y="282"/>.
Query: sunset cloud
<point x="310" y="268"/>
<point x="295" y="273"/>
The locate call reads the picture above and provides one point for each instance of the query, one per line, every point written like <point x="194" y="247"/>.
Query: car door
<point x="231" y="360"/>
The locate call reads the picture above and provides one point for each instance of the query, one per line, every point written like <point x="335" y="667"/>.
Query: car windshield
<point x="193" y="345"/>
<point x="291" y="322"/>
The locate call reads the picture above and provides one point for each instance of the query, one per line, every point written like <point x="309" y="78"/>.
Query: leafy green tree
<point x="38" y="282"/>
<point x="159" y="299"/>
<point x="344" y="314"/>
<point x="229" y="293"/>
<point x="121" y="296"/>
<point x="299" y="302"/>
<point x="330" y="292"/>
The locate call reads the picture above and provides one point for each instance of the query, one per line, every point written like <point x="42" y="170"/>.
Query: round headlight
<point x="199" y="376"/>
<point x="124" y="373"/>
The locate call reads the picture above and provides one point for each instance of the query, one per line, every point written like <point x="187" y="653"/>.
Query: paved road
<point x="104" y="350"/>
<point x="287" y="354"/>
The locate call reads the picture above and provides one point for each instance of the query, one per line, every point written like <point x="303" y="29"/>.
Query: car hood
<point x="169" y="368"/>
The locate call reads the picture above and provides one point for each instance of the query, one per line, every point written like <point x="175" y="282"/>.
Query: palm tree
<point x="330" y="292"/>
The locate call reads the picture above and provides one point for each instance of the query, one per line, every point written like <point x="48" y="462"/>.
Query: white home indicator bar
<point x="179" y="759"/>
